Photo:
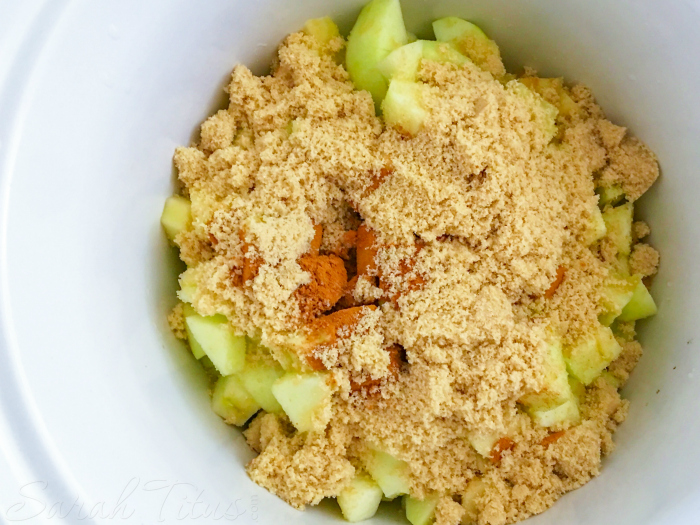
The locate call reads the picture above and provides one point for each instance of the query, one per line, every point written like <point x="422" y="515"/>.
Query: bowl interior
<point x="101" y="403"/>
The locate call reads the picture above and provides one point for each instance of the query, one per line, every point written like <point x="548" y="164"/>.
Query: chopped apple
<point x="390" y="473"/>
<point x="543" y="114"/>
<point x="176" y="216"/>
<point x="216" y="339"/>
<point x="188" y="287"/>
<point x="596" y="228"/>
<point x="589" y="357"/>
<point x="618" y="221"/>
<point x="611" y="379"/>
<point x="610" y="195"/>
<point x="471" y="41"/>
<point x="555" y="403"/>
<point x="556" y="388"/>
<point x="566" y="413"/>
<point x="421" y="511"/>
<point x="475" y="488"/>
<point x="360" y="500"/>
<point x="482" y="442"/>
<point x="196" y="348"/>
<point x="578" y="389"/>
<point x="555" y="90"/>
<point x="403" y="106"/>
<point x="305" y="398"/>
<point x="232" y="401"/>
<point x="258" y="378"/>
<point x="377" y="32"/>
<point x="615" y="295"/>
<point x="322" y="29"/>
<point x="404" y="63"/>
<point x="641" y="304"/>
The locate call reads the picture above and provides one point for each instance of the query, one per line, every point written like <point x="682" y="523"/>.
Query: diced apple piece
<point x="554" y="90"/>
<point x="543" y="114"/>
<point x="483" y="443"/>
<point x="589" y="357"/>
<point x="188" y="287"/>
<point x="556" y="389"/>
<point x="555" y="403"/>
<point x="618" y="222"/>
<point x="390" y="473"/>
<point x="232" y="401"/>
<point x="360" y="500"/>
<point x="377" y="32"/>
<point x="596" y="229"/>
<point x="176" y="216"/>
<point x="258" y="378"/>
<point x="421" y="511"/>
<point x="305" y="399"/>
<point x="616" y="293"/>
<point x="322" y="29"/>
<point x="196" y="348"/>
<point x="475" y="488"/>
<point x="471" y="41"/>
<point x="566" y="413"/>
<point x="216" y="339"/>
<point x="611" y="379"/>
<point x="641" y="304"/>
<point x="610" y="195"/>
<point x="404" y="63"/>
<point x="578" y="389"/>
<point x="403" y="106"/>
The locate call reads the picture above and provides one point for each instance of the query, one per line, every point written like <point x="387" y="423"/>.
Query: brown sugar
<point x="421" y="273"/>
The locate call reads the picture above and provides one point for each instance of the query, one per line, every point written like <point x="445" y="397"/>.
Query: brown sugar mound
<point x="421" y="274"/>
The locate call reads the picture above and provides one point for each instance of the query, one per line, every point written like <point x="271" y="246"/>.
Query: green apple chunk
<point x="188" y="286"/>
<point x="554" y="86"/>
<point x="616" y="293"/>
<point x="596" y="228"/>
<point x="377" y="32"/>
<point x="482" y="442"/>
<point x="360" y="500"/>
<point x="421" y="511"/>
<point x="611" y="379"/>
<point x="216" y="339"/>
<point x="555" y="403"/>
<point x="475" y="488"/>
<point x="232" y="401"/>
<point x="471" y="41"/>
<point x="176" y="216"/>
<point x="542" y="113"/>
<point x="322" y="29"/>
<point x="258" y="378"/>
<point x="305" y="398"/>
<point x="610" y="195"/>
<point x="618" y="222"/>
<point x="566" y="413"/>
<point x="197" y="351"/>
<point x="404" y="63"/>
<point x="589" y="357"/>
<point x="556" y="387"/>
<point x="390" y="473"/>
<point x="641" y="304"/>
<point x="403" y="106"/>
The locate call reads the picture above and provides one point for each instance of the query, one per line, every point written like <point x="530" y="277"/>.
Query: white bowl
<point x="101" y="407"/>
